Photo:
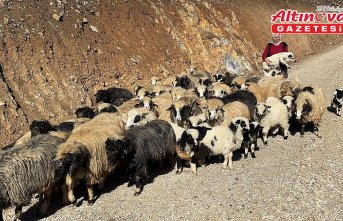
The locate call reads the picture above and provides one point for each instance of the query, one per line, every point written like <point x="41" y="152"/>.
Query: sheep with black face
<point x="289" y="102"/>
<point x="184" y="81"/>
<point x="224" y="77"/>
<point x="310" y="107"/>
<point x="218" y="140"/>
<point x="189" y="151"/>
<point x="182" y="109"/>
<point x="272" y="114"/>
<point x="202" y="91"/>
<point x="337" y="102"/>
<point x="84" y="156"/>
<point x="250" y="138"/>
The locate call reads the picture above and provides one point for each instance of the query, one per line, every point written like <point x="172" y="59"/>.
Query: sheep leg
<point x="230" y="160"/>
<point x="70" y="185"/>
<point x="102" y="183"/>
<point x="1" y="218"/>
<point x="317" y="129"/>
<point x="141" y="175"/>
<point x="65" y="194"/>
<point x="90" y="193"/>
<point x="18" y="212"/>
<point x="139" y="185"/>
<point x="226" y="160"/>
<point x="284" y="132"/>
<point x="201" y="162"/>
<point x="45" y="205"/>
<point x="302" y="130"/>
<point x="193" y="166"/>
<point x="265" y="134"/>
<point x="178" y="165"/>
<point x="338" y="111"/>
<point x="246" y="149"/>
<point x="253" y="150"/>
<point x="276" y="130"/>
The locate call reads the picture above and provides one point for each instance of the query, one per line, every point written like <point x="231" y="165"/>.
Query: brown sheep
<point x="84" y="154"/>
<point x="310" y="107"/>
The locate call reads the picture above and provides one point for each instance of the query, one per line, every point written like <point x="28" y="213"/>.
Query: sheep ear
<point x="195" y="103"/>
<point x="137" y="88"/>
<point x="152" y="94"/>
<point x="144" y="114"/>
<point x="170" y="108"/>
<point x="138" y="105"/>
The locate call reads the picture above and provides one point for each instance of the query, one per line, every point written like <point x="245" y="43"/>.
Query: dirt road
<point x="296" y="179"/>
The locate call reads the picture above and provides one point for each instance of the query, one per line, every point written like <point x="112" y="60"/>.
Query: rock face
<point x="50" y="66"/>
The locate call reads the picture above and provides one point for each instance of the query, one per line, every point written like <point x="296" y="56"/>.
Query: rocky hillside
<point x="55" y="54"/>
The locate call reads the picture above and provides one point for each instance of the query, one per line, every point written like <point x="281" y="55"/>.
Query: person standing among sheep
<point x="274" y="47"/>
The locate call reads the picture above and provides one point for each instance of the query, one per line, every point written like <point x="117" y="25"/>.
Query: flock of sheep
<point x="184" y="120"/>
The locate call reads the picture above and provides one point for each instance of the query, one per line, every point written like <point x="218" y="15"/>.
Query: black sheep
<point x="84" y="112"/>
<point x="115" y="96"/>
<point x="153" y="141"/>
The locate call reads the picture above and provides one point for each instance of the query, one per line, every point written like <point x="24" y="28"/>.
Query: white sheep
<point x="225" y="139"/>
<point x="272" y="115"/>
<point x="218" y="140"/>
<point x="282" y="57"/>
